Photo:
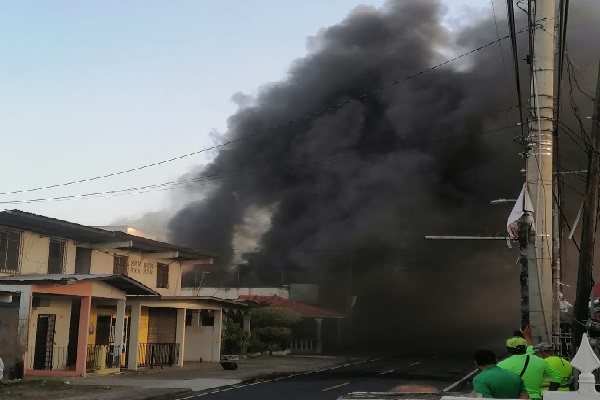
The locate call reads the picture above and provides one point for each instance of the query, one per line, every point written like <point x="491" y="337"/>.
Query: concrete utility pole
<point x="540" y="169"/>
<point x="588" y="227"/>
<point x="556" y="252"/>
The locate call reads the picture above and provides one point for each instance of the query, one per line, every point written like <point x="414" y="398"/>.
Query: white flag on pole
<point x="522" y="209"/>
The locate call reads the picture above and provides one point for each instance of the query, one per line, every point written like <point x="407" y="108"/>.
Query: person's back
<point x="495" y="382"/>
<point x="531" y="368"/>
<point x="564" y="368"/>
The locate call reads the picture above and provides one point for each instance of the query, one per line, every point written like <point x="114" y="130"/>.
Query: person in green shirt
<point x="494" y="382"/>
<point x="531" y="368"/>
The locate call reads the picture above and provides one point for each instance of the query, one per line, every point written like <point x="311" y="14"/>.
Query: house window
<point x="56" y="256"/>
<point x="120" y="265"/>
<point x="10" y="244"/>
<point x="162" y="275"/>
<point x="83" y="260"/>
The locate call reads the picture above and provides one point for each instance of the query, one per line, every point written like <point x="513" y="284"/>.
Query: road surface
<point x="378" y="375"/>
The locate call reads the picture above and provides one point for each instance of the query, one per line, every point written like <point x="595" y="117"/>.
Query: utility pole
<point x="588" y="227"/>
<point x="540" y="169"/>
<point x="556" y="244"/>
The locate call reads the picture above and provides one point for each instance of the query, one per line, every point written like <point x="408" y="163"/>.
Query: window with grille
<point x="56" y="256"/>
<point x="120" y="265"/>
<point x="162" y="275"/>
<point x="10" y="247"/>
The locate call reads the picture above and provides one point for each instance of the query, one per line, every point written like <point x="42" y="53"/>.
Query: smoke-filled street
<point x="379" y="375"/>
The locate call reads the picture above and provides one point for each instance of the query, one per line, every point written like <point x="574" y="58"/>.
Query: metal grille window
<point x="120" y="265"/>
<point x="56" y="256"/>
<point x="10" y="247"/>
<point x="162" y="275"/>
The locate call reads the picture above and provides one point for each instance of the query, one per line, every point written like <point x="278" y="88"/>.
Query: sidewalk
<point x="194" y="377"/>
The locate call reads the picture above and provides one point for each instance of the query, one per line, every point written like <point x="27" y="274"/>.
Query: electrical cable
<point x="217" y="177"/>
<point x="273" y="128"/>
<point x="513" y="43"/>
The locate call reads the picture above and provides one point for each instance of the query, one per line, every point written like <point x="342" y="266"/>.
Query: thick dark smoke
<point x="353" y="191"/>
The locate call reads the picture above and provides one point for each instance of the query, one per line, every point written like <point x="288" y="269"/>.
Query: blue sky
<point x="89" y="87"/>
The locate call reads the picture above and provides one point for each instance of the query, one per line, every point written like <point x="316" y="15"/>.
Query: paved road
<point x="378" y="375"/>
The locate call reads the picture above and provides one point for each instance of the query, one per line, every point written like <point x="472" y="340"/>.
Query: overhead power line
<point x="258" y="133"/>
<point x="513" y="42"/>
<point x="208" y="179"/>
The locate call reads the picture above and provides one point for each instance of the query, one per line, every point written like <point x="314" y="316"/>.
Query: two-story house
<point x="76" y="299"/>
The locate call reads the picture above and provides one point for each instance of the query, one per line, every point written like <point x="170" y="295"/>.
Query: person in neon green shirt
<point x="531" y="368"/>
<point x="494" y="382"/>
<point x="546" y="351"/>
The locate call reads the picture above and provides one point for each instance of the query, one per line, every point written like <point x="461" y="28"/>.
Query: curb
<point x="168" y="396"/>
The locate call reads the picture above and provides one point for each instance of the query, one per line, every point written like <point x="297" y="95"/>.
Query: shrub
<point x="272" y="328"/>
<point x="233" y="339"/>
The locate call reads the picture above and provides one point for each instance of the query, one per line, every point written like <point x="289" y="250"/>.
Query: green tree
<point x="272" y="328"/>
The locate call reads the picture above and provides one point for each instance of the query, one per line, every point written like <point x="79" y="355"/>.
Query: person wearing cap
<point x="494" y="382"/>
<point x="546" y="351"/>
<point x="530" y="367"/>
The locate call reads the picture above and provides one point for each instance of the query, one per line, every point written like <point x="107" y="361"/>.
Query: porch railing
<point x="53" y="358"/>
<point x="158" y="354"/>
<point x="303" y="346"/>
<point x="101" y="357"/>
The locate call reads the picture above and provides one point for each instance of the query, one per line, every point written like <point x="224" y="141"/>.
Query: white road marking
<point x="458" y="382"/>
<point x="415" y="363"/>
<point x="386" y="372"/>
<point x="335" y="387"/>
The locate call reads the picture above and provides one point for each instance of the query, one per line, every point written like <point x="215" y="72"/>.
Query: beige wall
<point x="61" y="307"/>
<point x="141" y="269"/>
<point x="34" y="260"/>
<point x="201" y="341"/>
<point x="70" y="250"/>
<point x="102" y="263"/>
<point x="105" y="291"/>
<point x="34" y="253"/>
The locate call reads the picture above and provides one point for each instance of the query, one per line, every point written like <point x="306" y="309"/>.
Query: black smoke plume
<point x="353" y="191"/>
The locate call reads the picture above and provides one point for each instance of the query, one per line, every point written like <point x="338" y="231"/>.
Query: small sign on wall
<point x="141" y="267"/>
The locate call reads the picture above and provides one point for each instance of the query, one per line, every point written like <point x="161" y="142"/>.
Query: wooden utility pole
<point x="588" y="227"/>
<point x="540" y="169"/>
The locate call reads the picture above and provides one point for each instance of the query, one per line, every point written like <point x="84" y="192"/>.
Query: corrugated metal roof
<point x="128" y="285"/>
<point x="218" y="300"/>
<point x="305" y="310"/>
